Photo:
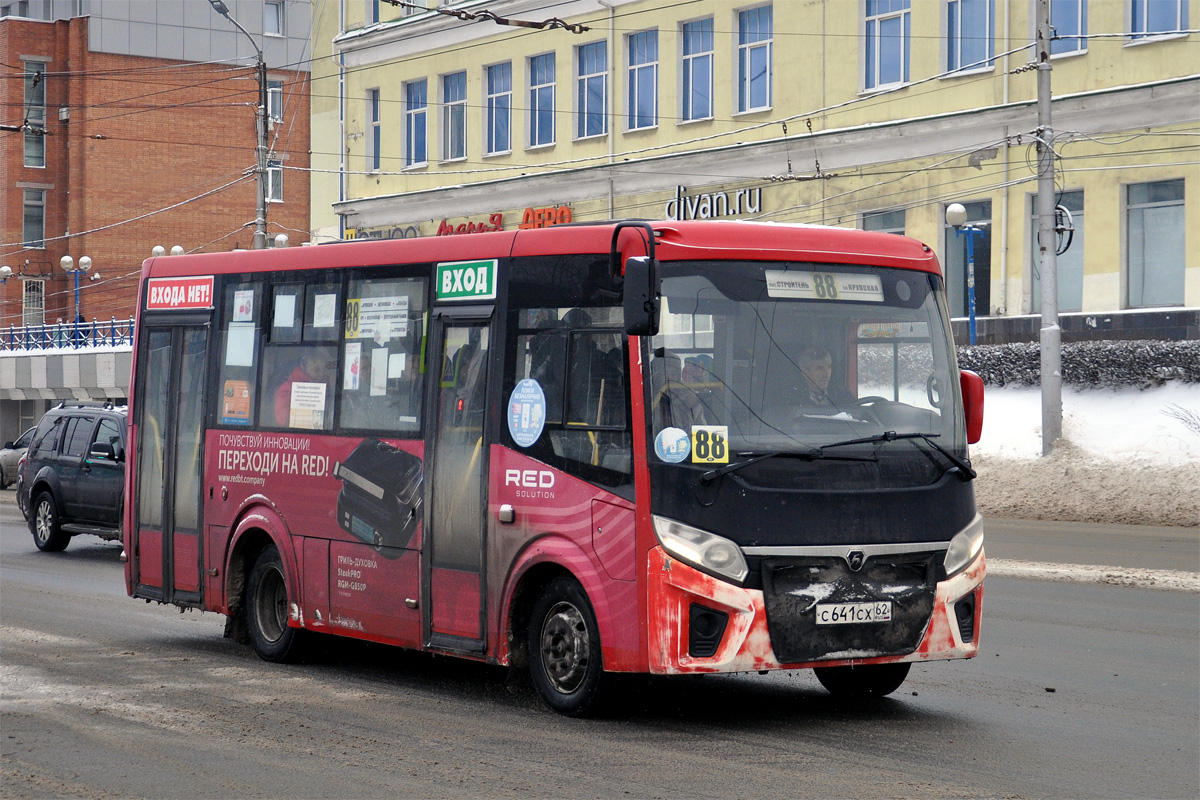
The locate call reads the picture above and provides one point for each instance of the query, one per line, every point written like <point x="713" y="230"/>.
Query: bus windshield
<point x="835" y="368"/>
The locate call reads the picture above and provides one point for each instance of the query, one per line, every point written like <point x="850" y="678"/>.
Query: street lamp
<point x="68" y="265"/>
<point x="5" y="273"/>
<point x="260" y="152"/>
<point x="956" y="215"/>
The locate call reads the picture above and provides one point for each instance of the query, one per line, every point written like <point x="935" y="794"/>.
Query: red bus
<point x="667" y="448"/>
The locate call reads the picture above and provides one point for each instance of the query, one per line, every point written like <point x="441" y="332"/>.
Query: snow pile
<point x="1127" y="456"/>
<point x="1095" y="365"/>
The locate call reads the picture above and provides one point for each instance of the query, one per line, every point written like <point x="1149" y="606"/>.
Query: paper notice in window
<point x="235" y="403"/>
<point x="308" y="406"/>
<point x="353" y="366"/>
<point x="285" y="310"/>
<point x="239" y="345"/>
<point x="396" y="365"/>
<point x="379" y="371"/>
<point x="324" y="309"/>
<point x="243" y="305"/>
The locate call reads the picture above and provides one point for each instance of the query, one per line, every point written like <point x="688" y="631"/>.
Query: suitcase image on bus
<point x="380" y="500"/>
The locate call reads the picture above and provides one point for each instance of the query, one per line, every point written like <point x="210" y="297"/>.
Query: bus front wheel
<point x="862" y="683"/>
<point x="267" y="610"/>
<point x="564" y="648"/>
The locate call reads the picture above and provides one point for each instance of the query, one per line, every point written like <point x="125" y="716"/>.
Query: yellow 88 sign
<point x="710" y="444"/>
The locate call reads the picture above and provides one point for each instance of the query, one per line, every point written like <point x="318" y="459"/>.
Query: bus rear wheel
<point x="864" y="682"/>
<point x="267" y="610"/>
<point x="564" y="649"/>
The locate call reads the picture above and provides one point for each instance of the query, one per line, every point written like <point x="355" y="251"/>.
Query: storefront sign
<point x="395" y="232"/>
<point x="711" y="205"/>
<point x="545" y="217"/>
<point x="495" y="223"/>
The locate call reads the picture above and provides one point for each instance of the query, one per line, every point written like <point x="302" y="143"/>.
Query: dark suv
<point x="72" y="478"/>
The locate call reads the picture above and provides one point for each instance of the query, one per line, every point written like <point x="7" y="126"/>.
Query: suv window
<point x="107" y="432"/>
<point x="78" y="433"/>
<point x="46" y="441"/>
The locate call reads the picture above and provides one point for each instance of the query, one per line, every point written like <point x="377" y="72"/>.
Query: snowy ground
<point x="1127" y="456"/>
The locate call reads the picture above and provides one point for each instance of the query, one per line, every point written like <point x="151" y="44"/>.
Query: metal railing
<point x="68" y="335"/>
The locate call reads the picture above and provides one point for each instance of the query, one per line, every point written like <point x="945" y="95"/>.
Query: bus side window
<point x="240" y="334"/>
<point x="578" y="360"/>
<point x="382" y="381"/>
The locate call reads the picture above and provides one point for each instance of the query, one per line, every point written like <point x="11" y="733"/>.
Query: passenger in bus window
<point x="315" y="366"/>
<point x="816" y="367"/>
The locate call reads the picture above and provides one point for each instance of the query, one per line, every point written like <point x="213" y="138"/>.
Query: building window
<point x="891" y="221"/>
<point x="1069" y="20"/>
<point x="454" y="116"/>
<point x="33" y="309"/>
<point x="415" y="109"/>
<point x="275" y="181"/>
<point x="374" y="130"/>
<point x="1068" y="265"/>
<point x="34" y="235"/>
<point x="978" y="215"/>
<point x="1157" y="17"/>
<point x="1155" y="256"/>
<point x="275" y="101"/>
<point x="888" y="29"/>
<point x="373" y="11"/>
<point x="754" y="59"/>
<point x="697" y="69"/>
<point x="499" y="109"/>
<point x="35" y="113"/>
<point x="643" y="80"/>
<point x="273" y="18"/>
<point x="412" y="7"/>
<point x="593" y="89"/>
<point x="541" y="100"/>
<point x="969" y="41"/>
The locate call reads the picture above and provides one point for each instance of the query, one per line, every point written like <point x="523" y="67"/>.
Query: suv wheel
<point x="48" y="535"/>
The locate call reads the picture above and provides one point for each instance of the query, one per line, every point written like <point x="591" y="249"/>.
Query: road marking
<point x="1174" y="580"/>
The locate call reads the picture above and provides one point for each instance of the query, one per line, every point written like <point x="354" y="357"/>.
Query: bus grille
<point x="793" y="587"/>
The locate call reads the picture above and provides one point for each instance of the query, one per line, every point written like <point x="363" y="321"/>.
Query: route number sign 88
<point x="710" y="444"/>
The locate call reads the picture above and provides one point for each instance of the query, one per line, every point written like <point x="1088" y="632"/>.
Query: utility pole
<point x="260" y="150"/>
<point x="1051" y="333"/>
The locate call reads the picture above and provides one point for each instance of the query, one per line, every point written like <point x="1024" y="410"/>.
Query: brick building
<point x="149" y="119"/>
<point x="138" y="151"/>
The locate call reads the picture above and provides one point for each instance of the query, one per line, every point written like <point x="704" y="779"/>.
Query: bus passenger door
<point x="170" y="430"/>
<point x="457" y="449"/>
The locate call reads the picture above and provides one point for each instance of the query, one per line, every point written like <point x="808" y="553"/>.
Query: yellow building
<point x="861" y="113"/>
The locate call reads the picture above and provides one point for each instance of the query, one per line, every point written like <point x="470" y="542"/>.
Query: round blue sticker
<point x="672" y="445"/>
<point x="526" y="412"/>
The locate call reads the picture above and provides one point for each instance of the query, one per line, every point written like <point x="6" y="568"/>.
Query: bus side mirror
<point x="641" y="296"/>
<point x="972" y="392"/>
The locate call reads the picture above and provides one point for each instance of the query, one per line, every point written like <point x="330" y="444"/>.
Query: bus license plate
<point x="853" y="613"/>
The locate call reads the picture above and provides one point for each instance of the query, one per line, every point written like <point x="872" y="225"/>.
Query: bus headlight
<point x="705" y="551"/>
<point x="964" y="548"/>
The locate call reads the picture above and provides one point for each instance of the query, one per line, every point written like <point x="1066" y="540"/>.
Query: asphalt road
<point x="102" y="696"/>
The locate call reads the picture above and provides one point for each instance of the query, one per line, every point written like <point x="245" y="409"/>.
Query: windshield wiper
<point x="807" y="455"/>
<point x="964" y="469"/>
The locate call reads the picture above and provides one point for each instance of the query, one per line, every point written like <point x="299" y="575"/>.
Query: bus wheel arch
<point x="529" y="588"/>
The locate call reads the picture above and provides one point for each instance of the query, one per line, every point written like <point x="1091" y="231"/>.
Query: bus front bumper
<point x="700" y="624"/>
